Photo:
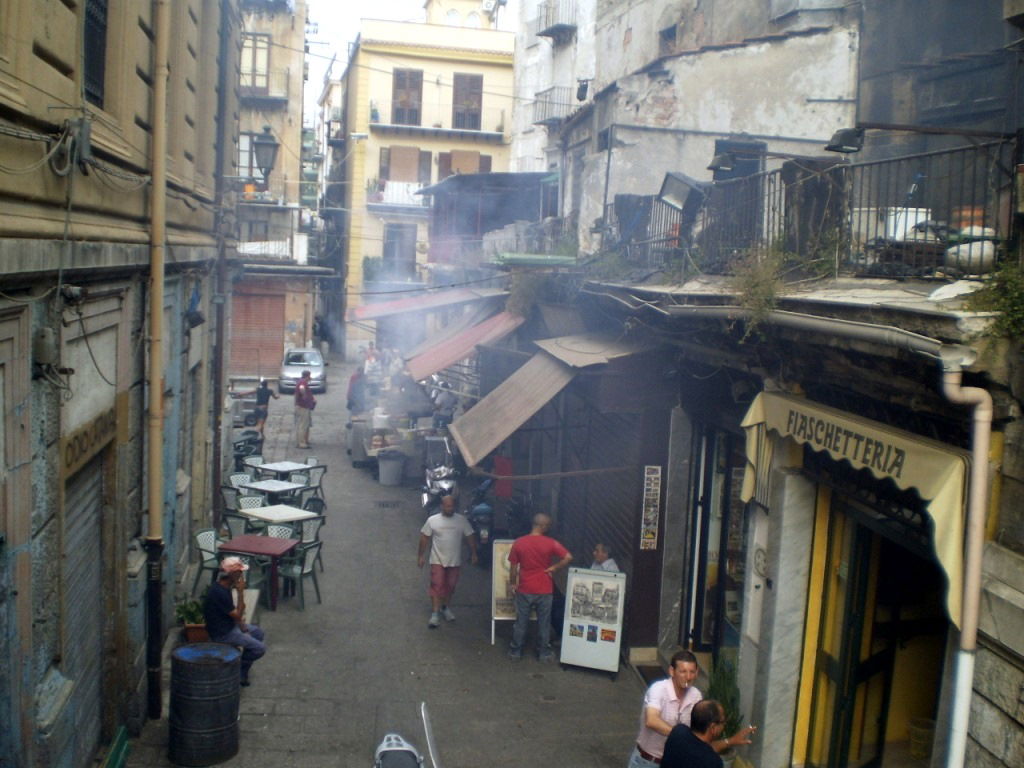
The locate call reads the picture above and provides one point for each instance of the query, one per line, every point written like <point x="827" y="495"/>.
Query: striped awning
<point x="463" y="344"/>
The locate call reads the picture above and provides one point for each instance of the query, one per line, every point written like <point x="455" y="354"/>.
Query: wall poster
<point x="651" y="505"/>
<point x="592" y="628"/>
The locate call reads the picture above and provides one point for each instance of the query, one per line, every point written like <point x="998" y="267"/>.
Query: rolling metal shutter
<point x="257" y="335"/>
<point x="83" y="606"/>
<point x="602" y="507"/>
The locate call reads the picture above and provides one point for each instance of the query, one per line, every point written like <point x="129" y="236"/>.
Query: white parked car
<point x="298" y="360"/>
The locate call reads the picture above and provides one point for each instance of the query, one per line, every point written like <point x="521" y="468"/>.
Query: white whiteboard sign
<point x="592" y="628"/>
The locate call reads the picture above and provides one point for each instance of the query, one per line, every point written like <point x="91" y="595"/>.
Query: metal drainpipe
<point x="158" y="221"/>
<point x="220" y="273"/>
<point x="977" y="504"/>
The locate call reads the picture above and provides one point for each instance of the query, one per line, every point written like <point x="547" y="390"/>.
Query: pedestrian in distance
<point x="443" y="533"/>
<point x="692" y="746"/>
<point x="304" y="405"/>
<point x="603" y="560"/>
<point x="667" y="703"/>
<point x="533" y="558"/>
<point x="262" y="393"/>
<point x="225" y="616"/>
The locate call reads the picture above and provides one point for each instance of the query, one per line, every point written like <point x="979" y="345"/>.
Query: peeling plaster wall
<point x="541" y="64"/>
<point x="764" y="90"/>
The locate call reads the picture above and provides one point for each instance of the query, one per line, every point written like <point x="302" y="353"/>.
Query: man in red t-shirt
<point x="533" y="558"/>
<point x="304" y="405"/>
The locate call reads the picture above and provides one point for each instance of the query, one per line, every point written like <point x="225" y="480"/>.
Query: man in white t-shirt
<point x="443" y="533"/>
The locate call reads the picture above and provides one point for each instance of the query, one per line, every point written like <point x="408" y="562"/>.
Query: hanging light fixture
<point x="846" y="140"/>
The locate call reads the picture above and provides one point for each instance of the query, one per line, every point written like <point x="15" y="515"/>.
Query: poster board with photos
<point x="503" y="607"/>
<point x="592" y="628"/>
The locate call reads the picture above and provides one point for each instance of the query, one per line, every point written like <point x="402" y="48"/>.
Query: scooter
<point x="396" y="752"/>
<point x="481" y="516"/>
<point x="439" y="476"/>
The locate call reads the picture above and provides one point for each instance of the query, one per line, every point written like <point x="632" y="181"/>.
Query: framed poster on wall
<point x="592" y="628"/>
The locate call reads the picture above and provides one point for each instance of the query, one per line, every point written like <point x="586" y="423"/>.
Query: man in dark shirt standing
<point x="224" y="616"/>
<point x="691" y="747"/>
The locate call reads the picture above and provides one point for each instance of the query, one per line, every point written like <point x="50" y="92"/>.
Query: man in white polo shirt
<point x="443" y="533"/>
<point x="667" y="703"/>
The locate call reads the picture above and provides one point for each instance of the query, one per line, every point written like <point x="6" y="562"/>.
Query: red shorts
<point x="443" y="580"/>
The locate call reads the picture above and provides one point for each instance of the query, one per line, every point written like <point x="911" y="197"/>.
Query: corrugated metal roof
<point x="486" y="425"/>
<point x="461" y="345"/>
<point x="586" y="349"/>
<point x="431" y="300"/>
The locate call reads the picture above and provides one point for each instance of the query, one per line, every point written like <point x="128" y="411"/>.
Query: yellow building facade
<point x="421" y="102"/>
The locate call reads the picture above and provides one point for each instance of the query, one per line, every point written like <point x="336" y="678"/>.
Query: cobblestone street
<point x="341" y="674"/>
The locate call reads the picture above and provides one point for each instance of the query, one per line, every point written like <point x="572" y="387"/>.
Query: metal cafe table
<point x="281" y="469"/>
<point x="278" y="513"/>
<point x="274" y="488"/>
<point x="261" y="546"/>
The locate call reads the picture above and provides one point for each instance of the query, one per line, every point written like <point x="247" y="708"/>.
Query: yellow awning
<point x="937" y="472"/>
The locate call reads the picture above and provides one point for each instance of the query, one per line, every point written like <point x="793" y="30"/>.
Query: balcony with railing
<point x="942" y="214"/>
<point x="552" y="105"/>
<point x="398" y="193"/>
<point x="267" y="88"/>
<point x="556" y="19"/>
<point x="432" y="119"/>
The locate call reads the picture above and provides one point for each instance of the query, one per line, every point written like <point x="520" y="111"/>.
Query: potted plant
<point x="189" y="613"/>
<point x="723" y="688"/>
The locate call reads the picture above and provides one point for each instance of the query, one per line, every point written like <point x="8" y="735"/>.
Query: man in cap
<point x="225" y="621"/>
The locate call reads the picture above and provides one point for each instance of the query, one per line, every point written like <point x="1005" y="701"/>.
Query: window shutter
<point x="467" y="97"/>
<point x="385" y="163"/>
<point x="485" y="163"/>
<point x="444" y="165"/>
<point x="424" y="172"/>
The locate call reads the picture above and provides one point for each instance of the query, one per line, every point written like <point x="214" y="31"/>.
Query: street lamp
<point x="264" y="148"/>
<point x="849" y="140"/>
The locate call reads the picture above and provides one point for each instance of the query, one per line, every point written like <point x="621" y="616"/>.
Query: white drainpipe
<point x="977" y="506"/>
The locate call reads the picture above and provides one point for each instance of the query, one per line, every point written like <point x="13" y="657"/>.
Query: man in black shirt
<point x="690" y="747"/>
<point x="224" y="616"/>
<point x="262" y="393"/>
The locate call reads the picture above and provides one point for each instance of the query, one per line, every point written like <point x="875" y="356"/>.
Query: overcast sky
<point x="337" y="25"/>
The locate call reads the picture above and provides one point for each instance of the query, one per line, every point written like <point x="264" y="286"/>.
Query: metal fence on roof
<point x="946" y="213"/>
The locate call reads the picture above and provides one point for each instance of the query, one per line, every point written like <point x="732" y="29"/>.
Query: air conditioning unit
<point x="489" y="5"/>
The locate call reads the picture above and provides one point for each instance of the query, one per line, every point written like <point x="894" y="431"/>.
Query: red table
<point x="262" y="546"/>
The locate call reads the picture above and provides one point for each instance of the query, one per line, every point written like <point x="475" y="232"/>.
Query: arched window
<point x="453" y="18"/>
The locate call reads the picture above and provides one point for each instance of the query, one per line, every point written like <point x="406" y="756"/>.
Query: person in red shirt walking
<point x="533" y="558"/>
<point x="304" y="405"/>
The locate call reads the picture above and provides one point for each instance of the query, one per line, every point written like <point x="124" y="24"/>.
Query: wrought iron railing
<point x="555" y="18"/>
<point x="552" y="105"/>
<point x="944" y="213"/>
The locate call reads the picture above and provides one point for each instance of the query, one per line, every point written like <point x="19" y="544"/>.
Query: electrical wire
<point x="47" y="155"/>
<point x="88" y="346"/>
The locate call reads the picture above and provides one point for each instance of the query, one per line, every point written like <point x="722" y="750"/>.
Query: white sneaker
<point x="435" y="620"/>
<point x="448" y="615"/>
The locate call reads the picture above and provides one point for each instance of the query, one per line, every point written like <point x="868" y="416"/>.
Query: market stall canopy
<point x="508" y="406"/>
<point x="450" y="350"/>
<point x="511" y="404"/>
<point x="583" y="349"/>
<point x="937" y="472"/>
<point x="425" y="301"/>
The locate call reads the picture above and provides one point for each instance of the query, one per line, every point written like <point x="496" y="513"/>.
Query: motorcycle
<point x="395" y="752"/>
<point x="481" y="516"/>
<point x="440" y="476"/>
